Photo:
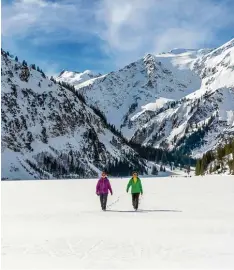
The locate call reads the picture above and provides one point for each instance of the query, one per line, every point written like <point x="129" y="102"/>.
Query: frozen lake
<point x="182" y="223"/>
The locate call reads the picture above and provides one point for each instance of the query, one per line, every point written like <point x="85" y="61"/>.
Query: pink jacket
<point x="103" y="186"/>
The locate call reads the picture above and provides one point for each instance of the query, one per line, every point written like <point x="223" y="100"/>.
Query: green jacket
<point x="136" y="187"/>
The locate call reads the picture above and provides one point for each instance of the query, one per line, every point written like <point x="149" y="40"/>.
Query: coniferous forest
<point x="218" y="160"/>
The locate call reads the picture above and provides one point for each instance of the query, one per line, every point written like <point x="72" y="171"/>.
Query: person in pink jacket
<point x="103" y="185"/>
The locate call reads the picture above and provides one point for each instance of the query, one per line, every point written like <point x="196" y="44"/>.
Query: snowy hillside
<point x="220" y="161"/>
<point x="182" y="101"/>
<point x="48" y="131"/>
<point x="182" y="223"/>
<point x="169" y="99"/>
<point x="76" y="77"/>
<point x="121" y="94"/>
<point x="201" y="120"/>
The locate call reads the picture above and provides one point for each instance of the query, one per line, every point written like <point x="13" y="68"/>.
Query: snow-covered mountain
<point x="200" y="120"/>
<point x="122" y="94"/>
<point x="166" y="100"/>
<point x="182" y="100"/>
<point x="48" y="131"/>
<point x="76" y="77"/>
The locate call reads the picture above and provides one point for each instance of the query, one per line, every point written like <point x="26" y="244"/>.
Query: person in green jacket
<point x="136" y="189"/>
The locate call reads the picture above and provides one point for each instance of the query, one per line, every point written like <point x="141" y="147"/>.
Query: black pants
<point x="103" y="200"/>
<point x="135" y="200"/>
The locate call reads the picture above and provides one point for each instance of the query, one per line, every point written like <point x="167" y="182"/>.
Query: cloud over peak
<point x="124" y="30"/>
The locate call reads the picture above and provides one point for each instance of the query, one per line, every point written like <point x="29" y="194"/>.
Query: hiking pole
<point x="117" y="200"/>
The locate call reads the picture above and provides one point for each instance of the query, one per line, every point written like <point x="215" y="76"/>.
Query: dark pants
<point x="103" y="200"/>
<point x="135" y="200"/>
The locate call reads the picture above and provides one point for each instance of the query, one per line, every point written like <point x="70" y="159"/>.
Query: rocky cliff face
<point x="48" y="131"/>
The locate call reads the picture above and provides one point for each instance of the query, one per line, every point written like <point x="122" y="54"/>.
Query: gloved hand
<point x="97" y="194"/>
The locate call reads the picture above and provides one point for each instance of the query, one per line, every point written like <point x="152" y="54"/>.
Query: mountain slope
<point x="171" y="99"/>
<point x="138" y="84"/>
<point x="48" y="131"/>
<point x="202" y="119"/>
<point x="220" y="161"/>
<point x="121" y="94"/>
<point x="76" y="77"/>
<point x="193" y="125"/>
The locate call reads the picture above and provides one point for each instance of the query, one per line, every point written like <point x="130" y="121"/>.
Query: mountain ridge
<point x="131" y="96"/>
<point x="49" y="131"/>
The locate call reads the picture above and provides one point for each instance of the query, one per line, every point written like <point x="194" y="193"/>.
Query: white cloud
<point x="128" y="28"/>
<point x="133" y="27"/>
<point x="46" y="21"/>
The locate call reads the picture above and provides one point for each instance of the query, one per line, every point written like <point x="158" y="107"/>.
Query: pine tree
<point x="198" y="167"/>
<point x="24" y="63"/>
<point x="202" y="170"/>
<point x="154" y="170"/>
<point x="53" y="80"/>
<point x="16" y="59"/>
<point x="43" y="74"/>
<point x="44" y="135"/>
<point x="34" y="66"/>
<point x="211" y="169"/>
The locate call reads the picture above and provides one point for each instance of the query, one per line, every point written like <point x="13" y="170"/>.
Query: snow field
<point x="182" y="223"/>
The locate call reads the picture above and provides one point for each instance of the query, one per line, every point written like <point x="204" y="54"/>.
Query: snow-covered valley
<point x="182" y="223"/>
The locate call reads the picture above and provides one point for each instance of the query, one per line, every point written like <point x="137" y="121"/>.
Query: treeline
<point x="147" y="152"/>
<point x="24" y="63"/>
<point x="213" y="161"/>
<point x="64" y="164"/>
<point x="194" y="140"/>
<point x="159" y="155"/>
<point x="155" y="170"/>
<point x="126" y="167"/>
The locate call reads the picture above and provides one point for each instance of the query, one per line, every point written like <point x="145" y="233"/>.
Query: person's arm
<point x="109" y="187"/>
<point x="129" y="184"/>
<point x="98" y="187"/>
<point x="141" y="186"/>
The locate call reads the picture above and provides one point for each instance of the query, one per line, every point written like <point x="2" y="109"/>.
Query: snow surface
<point x="156" y="105"/>
<point x="76" y="77"/>
<point x="183" y="223"/>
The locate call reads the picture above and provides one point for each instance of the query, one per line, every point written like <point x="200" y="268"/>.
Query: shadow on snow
<point x="142" y="211"/>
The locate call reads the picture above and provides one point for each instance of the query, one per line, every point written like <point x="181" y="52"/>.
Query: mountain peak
<point x="75" y="77"/>
<point x="148" y="56"/>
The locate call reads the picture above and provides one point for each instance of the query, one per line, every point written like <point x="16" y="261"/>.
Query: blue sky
<point x="104" y="35"/>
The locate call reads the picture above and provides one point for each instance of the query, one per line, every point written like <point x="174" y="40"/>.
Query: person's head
<point x="134" y="174"/>
<point x="104" y="174"/>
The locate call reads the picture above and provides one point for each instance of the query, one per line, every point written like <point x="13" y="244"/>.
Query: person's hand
<point x="141" y="193"/>
<point x="111" y="193"/>
<point x="97" y="194"/>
